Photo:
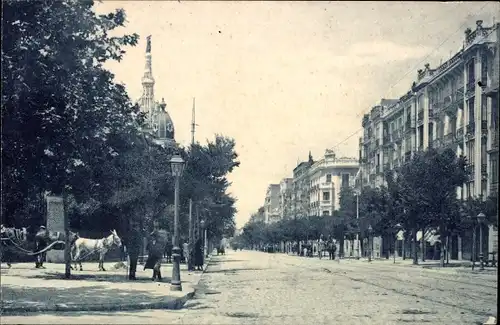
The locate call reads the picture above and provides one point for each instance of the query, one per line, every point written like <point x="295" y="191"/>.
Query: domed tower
<point x="164" y="125"/>
<point x="158" y="121"/>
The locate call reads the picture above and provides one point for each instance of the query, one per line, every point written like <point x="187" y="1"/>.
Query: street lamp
<point x="397" y="228"/>
<point x="370" y="231"/>
<point x="357" y="221"/>
<point x="203" y="226"/>
<point x="177" y="165"/>
<point x="480" y="219"/>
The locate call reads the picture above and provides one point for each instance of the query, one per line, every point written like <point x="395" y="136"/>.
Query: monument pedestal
<point x="55" y="222"/>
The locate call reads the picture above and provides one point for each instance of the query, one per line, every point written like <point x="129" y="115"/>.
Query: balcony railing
<point x="448" y="138"/>
<point x="484" y="169"/>
<point x="484" y="128"/>
<point x="470" y="169"/>
<point x="420" y="116"/>
<point x="409" y="124"/>
<point x="471" y="88"/>
<point x="471" y="128"/>
<point x="494" y="139"/>
<point x="436" y="143"/>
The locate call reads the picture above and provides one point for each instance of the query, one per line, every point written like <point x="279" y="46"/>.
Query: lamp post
<point x="205" y="247"/>
<point x="397" y="228"/>
<point x="370" y="231"/>
<point x="357" y="221"/>
<point x="473" y="244"/>
<point x="177" y="165"/>
<point x="480" y="219"/>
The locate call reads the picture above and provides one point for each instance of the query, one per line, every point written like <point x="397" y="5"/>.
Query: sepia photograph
<point x="249" y="162"/>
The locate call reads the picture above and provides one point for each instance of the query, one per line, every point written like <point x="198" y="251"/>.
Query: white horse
<point x="88" y="247"/>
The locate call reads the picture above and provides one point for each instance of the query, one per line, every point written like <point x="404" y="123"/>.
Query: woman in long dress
<point x="198" y="255"/>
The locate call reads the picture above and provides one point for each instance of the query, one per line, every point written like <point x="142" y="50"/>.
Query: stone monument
<point x="55" y="222"/>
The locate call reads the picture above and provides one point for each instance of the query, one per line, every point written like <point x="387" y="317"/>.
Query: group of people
<point x="197" y="254"/>
<point x="309" y="249"/>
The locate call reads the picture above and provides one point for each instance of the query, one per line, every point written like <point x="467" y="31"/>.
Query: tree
<point x="60" y="107"/>
<point x="425" y="187"/>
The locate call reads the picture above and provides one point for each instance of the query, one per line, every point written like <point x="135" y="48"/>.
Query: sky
<point x="284" y="78"/>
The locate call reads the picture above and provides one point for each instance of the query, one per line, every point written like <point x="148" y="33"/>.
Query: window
<point x="345" y="178"/>
<point x="494" y="113"/>
<point x="470" y="152"/>
<point x="329" y="176"/>
<point x="470" y="105"/>
<point x="471" y="76"/>
<point x="326" y="213"/>
<point x="494" y="168"/>
<point x="326" y="196"/>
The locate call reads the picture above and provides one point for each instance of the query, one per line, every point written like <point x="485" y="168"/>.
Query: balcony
<point x="377" y="143"/>
<point x="409" y="125"/>
<point x="484" y="128"/>
<point x="436" y="143"/>
<point x="326" y="202"/>
<point x="494" y="140"/>
<point x="471" y="88"/>
<point x="471" y="128"/>
<point x="470" y="170"/>
<point x="407" y="156"/>
<point x="449" y="139"/>
<point x="460" y="134"/>
<point x="386" y="139"/>
<point x="420" y="116"/>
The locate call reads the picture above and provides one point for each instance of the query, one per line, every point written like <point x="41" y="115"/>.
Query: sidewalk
<point x="454" y="266"/>
<point x="26" y="289"/>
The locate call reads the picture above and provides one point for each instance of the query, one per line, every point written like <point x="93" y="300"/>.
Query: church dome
<point x="164" y="122"/>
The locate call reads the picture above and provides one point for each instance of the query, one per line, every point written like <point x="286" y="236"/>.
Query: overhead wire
<point x="411" y="70"/>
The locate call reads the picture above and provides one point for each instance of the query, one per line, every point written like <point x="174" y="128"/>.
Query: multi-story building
<point x="301" y="183"/>
<point x="455" y="105"/>
<point x="327" y="176"/>
<point x="271" y="204"/>
<point x="285" y="202"/>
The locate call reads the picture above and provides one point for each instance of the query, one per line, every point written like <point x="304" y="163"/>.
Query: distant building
<point x="327" y="177"/>
<point x="285" y="203"/>
<point x="300" y="194"/>
<point x="272" y="203"/>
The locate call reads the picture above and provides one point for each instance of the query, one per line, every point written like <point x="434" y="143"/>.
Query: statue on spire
<point x="311" y="161"/>
<point x="148" y="44"/>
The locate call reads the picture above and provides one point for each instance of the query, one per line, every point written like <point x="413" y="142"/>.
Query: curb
<point x="168" y="303"/>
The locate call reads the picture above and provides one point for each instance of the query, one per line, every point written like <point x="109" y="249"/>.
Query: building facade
<point x="272" y="204"/>
<point x="454" y="105"/>
<point x="300" y="188"/>
<point x="327" y="177"/>
<point x="285" y="202"/>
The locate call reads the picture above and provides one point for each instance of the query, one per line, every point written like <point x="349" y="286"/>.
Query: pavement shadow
<point x="228" y="261"/>
<point x="103" y="277"/>
<point x="233" y="270"/>
<point x="98" y="294"/>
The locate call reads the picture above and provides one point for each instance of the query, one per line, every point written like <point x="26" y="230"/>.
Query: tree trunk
<point x="403" y="247"/>
<point x="414" y="245"/>
<point x="424" y="247"/>
<point x="441" y="252"/>
<point x="447" y="250"/>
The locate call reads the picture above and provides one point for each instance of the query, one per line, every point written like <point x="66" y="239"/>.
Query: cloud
<point x="378" y="53"/>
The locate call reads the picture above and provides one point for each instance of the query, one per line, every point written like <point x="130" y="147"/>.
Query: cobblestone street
<point x="255" y="288"/>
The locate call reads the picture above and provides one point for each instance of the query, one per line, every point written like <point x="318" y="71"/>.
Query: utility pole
<point x="191" y="237"/>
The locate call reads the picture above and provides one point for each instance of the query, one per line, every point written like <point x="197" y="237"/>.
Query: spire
<point x="148" y="79"/>
<point x="148" y="44"/>
<point x="310" y="157"/>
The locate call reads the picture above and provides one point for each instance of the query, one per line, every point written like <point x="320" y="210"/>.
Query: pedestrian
<point x="185" y="251"/>
<point x="198" y="254"/>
